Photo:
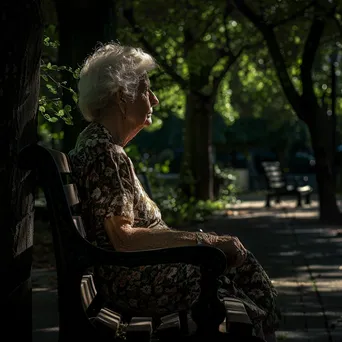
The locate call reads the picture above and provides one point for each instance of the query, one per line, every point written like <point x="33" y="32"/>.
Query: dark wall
<point x="21" y="28"/>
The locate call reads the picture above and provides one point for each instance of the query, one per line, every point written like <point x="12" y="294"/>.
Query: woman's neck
<point x="121" y="133"/>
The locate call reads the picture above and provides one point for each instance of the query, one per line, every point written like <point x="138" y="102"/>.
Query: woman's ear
<point x="121" y="101"/>
<point x="120" y="97"/>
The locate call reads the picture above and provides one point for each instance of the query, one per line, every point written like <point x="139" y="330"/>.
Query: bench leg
<point x="299" y="200"/>
<point x="308" y="199"/>
<point x="268" y="201"/>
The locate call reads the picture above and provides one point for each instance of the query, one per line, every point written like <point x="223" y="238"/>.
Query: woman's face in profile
<point x="140" y="111"/>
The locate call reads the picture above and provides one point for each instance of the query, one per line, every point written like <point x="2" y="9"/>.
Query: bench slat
<point x="107" y="321"/>
<point x="139" y="329"/>
<point x="79" y="225"/>
<point x="169" y="327"/>
<point x="71" y="194"/>
<point x="237" y="319"/>
<point x="88" y="291"/>
<point x="61" y="160"/>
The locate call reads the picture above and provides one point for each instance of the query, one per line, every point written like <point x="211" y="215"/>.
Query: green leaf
<point x="51" y="88"/>
<point x="47" y="41"/>
<point x="53" y="119"/>
<point x="75" y="97"/>
<point x="67" y="109"/>
<point x="60" y="113"/>
<point x="68" y="121"/>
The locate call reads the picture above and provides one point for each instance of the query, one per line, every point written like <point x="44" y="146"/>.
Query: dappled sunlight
<point x="318" y="268"/>
<point x="47" y="330"/>
<point x="288" y="283"/>
<point x="314" y="335"/>
<point x="256" y="207"/>
<point x="303" y="259"/>
<point x="326" y="285"/>
<point x="43" y="289"/>
<point x="289" y="253"/>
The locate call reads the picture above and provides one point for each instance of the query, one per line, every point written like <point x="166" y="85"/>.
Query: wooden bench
<point x="278" y="185"/>
<point x="83" y="313"/>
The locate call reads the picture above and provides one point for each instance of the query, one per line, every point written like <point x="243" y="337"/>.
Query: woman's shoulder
<point x="94" y="144"/>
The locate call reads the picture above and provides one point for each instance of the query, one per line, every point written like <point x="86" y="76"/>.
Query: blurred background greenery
<point x="239" y="82"/>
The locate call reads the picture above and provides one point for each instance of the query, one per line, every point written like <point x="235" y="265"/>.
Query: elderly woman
<point x="115" y="96"/>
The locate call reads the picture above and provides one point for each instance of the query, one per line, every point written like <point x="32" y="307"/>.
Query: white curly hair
<point x="110" y="68"/>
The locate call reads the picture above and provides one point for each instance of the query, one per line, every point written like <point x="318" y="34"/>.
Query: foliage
<point x="291" y="22"/>
<point x="178" y="209"/>
<point x="52" y="87"/>
<point x="197" y="45"/>
<point x="175" y="207"/>
<point x="50" y="105"/>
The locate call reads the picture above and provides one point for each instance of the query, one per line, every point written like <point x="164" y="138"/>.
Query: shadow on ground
<point x="303" y="259"/>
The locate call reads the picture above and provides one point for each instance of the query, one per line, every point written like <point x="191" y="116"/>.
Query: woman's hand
<point x="235" y="251"/>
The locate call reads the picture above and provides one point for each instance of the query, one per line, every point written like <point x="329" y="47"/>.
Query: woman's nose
<point x="153" y="99"/>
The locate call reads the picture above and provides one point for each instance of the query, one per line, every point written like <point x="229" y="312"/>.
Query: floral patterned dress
<point x="108" y="186"/>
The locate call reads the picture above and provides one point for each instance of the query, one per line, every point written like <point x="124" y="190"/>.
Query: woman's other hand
<point x="235" y="251"/>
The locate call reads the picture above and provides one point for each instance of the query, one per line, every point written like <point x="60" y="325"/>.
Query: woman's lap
<point x="163" y="289"/>
<point x="251" y="281"/>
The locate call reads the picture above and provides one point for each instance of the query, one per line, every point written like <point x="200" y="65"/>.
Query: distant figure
<point x="115" y="96"/>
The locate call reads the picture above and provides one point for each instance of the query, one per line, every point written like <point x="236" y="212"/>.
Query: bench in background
<point x="279" y="186"/>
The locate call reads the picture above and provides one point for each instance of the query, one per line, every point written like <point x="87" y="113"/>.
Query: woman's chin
<point x="148" y="121"/>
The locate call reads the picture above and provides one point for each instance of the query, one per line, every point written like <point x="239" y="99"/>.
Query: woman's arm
<point x="126" y="238"/>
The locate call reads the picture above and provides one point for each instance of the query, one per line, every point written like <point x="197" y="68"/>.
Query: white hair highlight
<point x="111" y="68"/>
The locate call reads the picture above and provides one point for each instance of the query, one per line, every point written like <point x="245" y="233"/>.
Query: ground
<point x="302" y="257"/>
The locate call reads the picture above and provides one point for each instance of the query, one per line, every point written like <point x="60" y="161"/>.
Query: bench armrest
<point x="296" y="180"/>
<point x="208" y="311"/>
<point x="210" y="258"/>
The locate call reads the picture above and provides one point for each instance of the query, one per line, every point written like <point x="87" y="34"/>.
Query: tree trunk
<point x="82" y="26"/>
<point x="321" y="126"/>
<point x="22" y="28"/>
<point x="322" y="131"/>
<point x="198" y="159"/>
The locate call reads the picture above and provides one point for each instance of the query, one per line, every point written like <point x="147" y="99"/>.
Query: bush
<point x="176" y="208"/>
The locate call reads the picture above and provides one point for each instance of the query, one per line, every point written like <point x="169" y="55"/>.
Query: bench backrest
<point x="274" y="175"/>
<point x="53" y="172"/>
<point x="63" y="166"/>
<point x="63" y="202"/>
<point x="55" y="176"/>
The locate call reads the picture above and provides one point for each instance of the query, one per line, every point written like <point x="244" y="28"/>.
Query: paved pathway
<point x="302" y="257"/>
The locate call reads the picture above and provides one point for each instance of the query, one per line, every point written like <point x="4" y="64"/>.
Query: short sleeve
<point x="111" y="186"/>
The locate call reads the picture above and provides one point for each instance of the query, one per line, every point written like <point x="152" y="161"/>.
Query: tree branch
<point x="129" y="15"/>
<point x="227" y="51"/>
<point x="310" y="49"/>
<point x="209" y="23"/>
<point x="228" y="11"/>
<point x="292" y="16"/>
<point x="218" y="79"/>
<point x="256" y="19"/>
<point x="277" y="57"/>
<point x="232" y="59"/>
<point x="338" y="24"/>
